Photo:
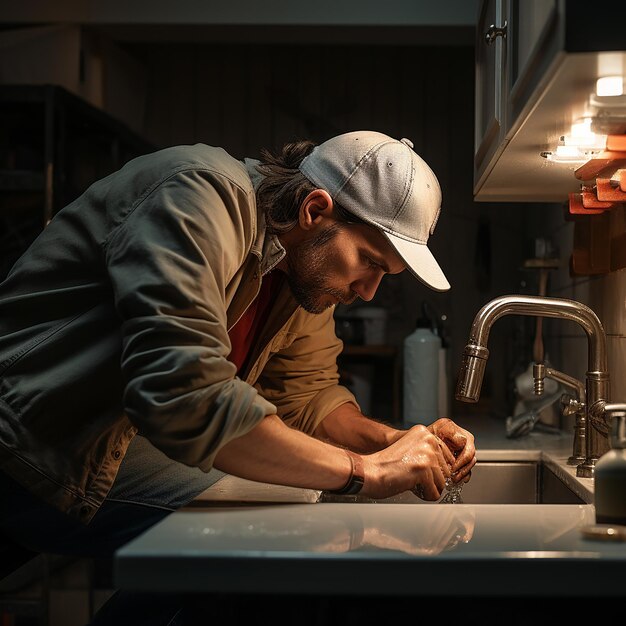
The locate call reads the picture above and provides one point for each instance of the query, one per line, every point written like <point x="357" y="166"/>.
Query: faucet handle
<point x="568" y="381"/>
<point x="615" y="408"/>
<point x="539" y="374"/>
<point x="570" y="405"/>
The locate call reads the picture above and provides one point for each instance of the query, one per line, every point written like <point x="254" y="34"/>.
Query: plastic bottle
<point x="438" y="326"/>
<point x="610" y="476"/>
<point x="421" y="375"/>
<point x="443" y="404"/>
<point x="444" y="367"/>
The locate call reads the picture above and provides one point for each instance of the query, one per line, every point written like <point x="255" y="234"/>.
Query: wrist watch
<point x="356" y="479"/>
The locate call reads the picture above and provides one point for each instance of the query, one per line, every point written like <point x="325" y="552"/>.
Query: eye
<point x="370" y="262"/>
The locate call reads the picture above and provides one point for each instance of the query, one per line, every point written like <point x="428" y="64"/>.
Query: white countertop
<point x="242" y="536"/>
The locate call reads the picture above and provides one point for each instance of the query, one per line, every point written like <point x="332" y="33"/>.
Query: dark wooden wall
<point x="246" y="96"/>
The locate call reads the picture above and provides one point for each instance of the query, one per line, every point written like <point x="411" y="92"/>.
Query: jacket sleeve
<point x="302" y="379"/>
<point x="169" y="263"/>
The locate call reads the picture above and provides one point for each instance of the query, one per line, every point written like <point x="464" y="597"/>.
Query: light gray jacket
<point x="116" y="321"/>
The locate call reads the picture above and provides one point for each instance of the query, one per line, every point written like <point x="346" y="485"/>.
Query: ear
<point x="315" y="209"/>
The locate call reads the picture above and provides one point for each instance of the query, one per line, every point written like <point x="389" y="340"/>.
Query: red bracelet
<point x="356" y="479"/>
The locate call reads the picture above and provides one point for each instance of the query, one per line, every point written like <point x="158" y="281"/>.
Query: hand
<point x="461" y="443"/>
<point x="419" y="457"/>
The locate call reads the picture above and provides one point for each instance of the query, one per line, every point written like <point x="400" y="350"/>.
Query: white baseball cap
<point x="386" y="184"/>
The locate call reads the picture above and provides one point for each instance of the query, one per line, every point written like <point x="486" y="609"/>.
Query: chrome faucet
<point x="591" y="432"/>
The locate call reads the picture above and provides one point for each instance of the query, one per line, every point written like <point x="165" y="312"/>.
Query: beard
<point x="308" y="276"/>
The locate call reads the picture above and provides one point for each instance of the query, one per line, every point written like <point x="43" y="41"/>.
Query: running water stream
<point x="453" y="492"/>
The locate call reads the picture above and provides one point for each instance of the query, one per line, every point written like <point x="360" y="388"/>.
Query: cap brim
<point x="420" y="261"/>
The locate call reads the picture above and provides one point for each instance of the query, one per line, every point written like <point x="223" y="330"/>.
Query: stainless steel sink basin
<point x="498" y="482"/>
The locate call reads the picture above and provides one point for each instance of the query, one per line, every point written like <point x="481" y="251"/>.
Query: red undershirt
<point x="244" y="333"/>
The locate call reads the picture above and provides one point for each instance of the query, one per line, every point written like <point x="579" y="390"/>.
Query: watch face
<point x="356" y="485"/>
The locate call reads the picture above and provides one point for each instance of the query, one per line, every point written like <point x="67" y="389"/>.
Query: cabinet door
<point x="533" y="39"/>
<point x="491" y="50"/>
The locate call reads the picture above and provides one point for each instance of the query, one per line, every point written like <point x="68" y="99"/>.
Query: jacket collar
<point x="266" y="247"/>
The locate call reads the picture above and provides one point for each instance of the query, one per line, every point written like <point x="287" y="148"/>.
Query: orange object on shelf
<point x="576" y="206"/>
<point x="591" y="200"/>
<point x="616" y="142"/>
<point x="606" y="191"/>
<point x="622" y="179"/>
<point x="601" y="164"/>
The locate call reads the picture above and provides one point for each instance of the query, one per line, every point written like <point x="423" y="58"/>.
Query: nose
<point x="366" y="288"/>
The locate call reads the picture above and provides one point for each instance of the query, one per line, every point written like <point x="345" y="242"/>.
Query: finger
<point x="464" y="457"/>
<point x="439" y="478"/>
<point x="435" y="484"/>
<point x="458" y="441"/>
<point x="446" y="453"/>
<point x="460" y="463"/>
<point x="462" y="472"/>
<point x="455" y="437"/>
<point x="431" y="493"/>
<point x="443" y="470"/>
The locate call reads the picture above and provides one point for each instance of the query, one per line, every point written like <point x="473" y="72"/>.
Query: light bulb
<point x="583" y="137"/>
<point x="610" y="86"/>
<point x="581" y="129"/>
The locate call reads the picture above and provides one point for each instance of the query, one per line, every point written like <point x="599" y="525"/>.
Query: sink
<point x="499" y="482"/>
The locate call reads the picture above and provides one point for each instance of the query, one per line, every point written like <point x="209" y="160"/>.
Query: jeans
<point x="148" y="487"/>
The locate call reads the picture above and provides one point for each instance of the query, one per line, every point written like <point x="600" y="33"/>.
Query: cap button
<point x="408" y="142"/>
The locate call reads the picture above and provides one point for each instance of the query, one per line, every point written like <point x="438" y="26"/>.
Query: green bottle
<point x="610" y="476"/>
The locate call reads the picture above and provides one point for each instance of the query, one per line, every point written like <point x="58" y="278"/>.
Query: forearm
<point x="275" y="453"/>
<point x="347" y="426"/>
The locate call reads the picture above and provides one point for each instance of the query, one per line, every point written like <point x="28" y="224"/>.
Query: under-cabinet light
<point x="577" y="147"/>
<point x="583" y="137"/>
<point x="610" y="86"/>
<point x="566" y="154"/>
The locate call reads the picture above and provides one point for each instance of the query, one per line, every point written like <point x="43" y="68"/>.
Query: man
<point x="178" y="317"/>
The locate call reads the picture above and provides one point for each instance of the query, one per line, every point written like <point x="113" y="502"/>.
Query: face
<point x="339" y="263"/>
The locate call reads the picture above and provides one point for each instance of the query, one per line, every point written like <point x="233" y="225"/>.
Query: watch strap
<point x="356" y="478"/>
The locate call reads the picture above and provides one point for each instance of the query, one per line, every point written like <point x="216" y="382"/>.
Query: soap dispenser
<point x="610" y="472"/>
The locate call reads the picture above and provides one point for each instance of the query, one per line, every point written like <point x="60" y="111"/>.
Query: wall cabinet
<point x="537" y="62"/>
<point x="53" y="145"/>
<point x="491" y="49"/>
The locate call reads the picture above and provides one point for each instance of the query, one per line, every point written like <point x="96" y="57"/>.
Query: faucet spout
<point x="476" y="354"/>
